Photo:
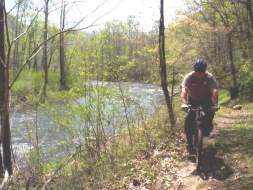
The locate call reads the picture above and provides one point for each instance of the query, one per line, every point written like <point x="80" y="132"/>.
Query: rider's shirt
<point x="199" y="89"/>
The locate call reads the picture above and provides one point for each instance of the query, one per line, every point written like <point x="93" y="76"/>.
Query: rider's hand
<point x="184" y="107"/>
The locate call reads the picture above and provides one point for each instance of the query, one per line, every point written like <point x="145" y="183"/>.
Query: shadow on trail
<point x="212" y="166"/>
<point x="238" y="140"/>
<point x="237" y="143"/>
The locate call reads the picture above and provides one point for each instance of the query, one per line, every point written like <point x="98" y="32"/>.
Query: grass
<point x="223" y="97"/>
<point x="121" y="163"/>
<point x="235" y="145"/>
<point x="117" y="163"/>
<point x="27" y="90"/>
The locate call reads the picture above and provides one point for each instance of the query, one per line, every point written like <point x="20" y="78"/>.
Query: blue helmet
<point x="200" y="65"/>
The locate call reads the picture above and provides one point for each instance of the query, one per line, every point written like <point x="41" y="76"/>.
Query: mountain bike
<point x="198" y="136"/>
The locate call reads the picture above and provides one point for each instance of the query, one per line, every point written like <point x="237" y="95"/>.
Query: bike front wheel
<point x="199" y="147"/>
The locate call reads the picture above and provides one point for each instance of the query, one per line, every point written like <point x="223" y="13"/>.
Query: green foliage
<point x="98" y="167"/>
<point x="205" y="31"/>
<point x="223" y="97"/>
<point x="121" y="51"/>
<point x="234" y="143"/>
<point x="246" y="80"/>
<point x="118" y="51"/>
<point x="29" y="86"/>
<point x="35" y="161"/>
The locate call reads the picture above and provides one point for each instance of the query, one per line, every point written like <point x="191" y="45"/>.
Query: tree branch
<point x="72" y="29"/>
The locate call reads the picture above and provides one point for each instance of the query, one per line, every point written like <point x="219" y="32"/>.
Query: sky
<point x="145" y="11"/>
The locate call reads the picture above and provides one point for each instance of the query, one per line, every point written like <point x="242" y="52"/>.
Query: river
<point x="52" y="128"/>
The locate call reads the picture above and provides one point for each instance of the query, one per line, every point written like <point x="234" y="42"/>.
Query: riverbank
<point x="93" y="111"/>
<point x="113" y="163"/>
<point x="87" y="144"/>
<point x="27" y="91"/>
<point x="228" y="158"/>
<point x="147" y="155"/>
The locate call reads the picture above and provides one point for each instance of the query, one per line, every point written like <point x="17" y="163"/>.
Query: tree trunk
<point x="63" y="85"/>
<point x="234" y="91"/>
<point x="250" y="11"/>
<point x="35" y="63"/>
<point x="15" y="62"/>
<point x="30" y="45"/>
<point x="163" y="71"/>
<point x="4" y="100"/>
<point x="35" y="33"/>
<point x="249" y="7"/>
<point x="45" y="58"/>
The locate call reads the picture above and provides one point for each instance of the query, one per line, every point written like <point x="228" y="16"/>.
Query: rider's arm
<point x="184" y="93"/>
<point x="214" y="90"/>
<point x="215" y="96"/>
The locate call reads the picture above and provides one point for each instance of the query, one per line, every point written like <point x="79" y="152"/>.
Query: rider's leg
<point x="208" y="123"/>
<point x="209" y="115"/>
<point x="189" y="130"/>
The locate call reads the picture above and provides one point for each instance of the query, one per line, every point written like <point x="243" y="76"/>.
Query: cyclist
<point x="199" y="88"/>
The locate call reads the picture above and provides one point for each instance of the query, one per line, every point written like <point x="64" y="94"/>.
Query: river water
<point x="50" y="129"/>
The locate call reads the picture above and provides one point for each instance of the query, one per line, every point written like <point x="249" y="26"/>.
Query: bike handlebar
<point x="199" y="108"/>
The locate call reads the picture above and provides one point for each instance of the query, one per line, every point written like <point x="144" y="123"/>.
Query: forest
<point x="83" y="109"/>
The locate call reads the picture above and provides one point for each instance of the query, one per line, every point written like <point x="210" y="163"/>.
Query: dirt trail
<point x="215" y="170"/>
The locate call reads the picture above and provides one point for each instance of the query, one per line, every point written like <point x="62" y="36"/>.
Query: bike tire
<point x="199" y="147"/>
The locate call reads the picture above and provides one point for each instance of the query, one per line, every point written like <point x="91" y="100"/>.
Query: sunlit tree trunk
<point x="63" y="84"/>
<point x="163" y="71"/>
<point x="45" y="57"/>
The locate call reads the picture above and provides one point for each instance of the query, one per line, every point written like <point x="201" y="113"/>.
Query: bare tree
<point x="6" y="162"/>
<point x="63" y="85"/>
<point x="163" y="71"/>
<point x="234" y="90"/>
<point x="15" y="61"/>
<point x="4" y="98"/>
<point x="45" y="57"/>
